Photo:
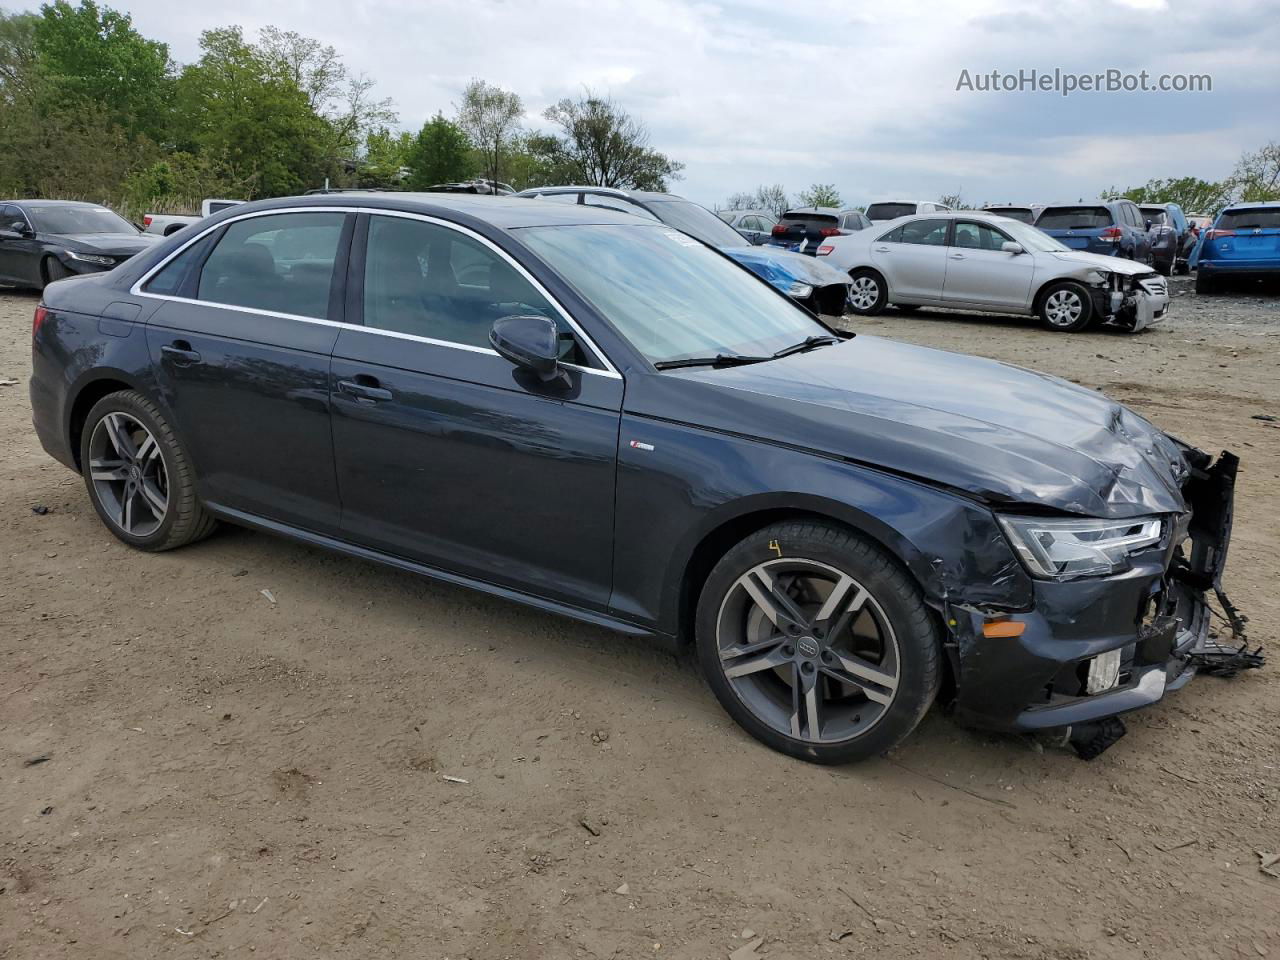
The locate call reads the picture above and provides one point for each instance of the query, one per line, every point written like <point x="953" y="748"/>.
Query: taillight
<point x="1215" y="234"/>
<point x="829" y="232"/>
<point x="37" y="321"/>
<point x="825" y="249"/>
<point x="779" y="229"/>
<point x="146" y="221"/>
<point x="1111" y="233"/>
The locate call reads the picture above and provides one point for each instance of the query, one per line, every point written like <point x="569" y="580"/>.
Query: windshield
<point x="890" y="211"/>
<point x="669" y="295"/>
<point x="1033" y="238"/>
<point x="696" y="221"/>
<point x="1074" y="218"/>
<point x="66" y="220"/>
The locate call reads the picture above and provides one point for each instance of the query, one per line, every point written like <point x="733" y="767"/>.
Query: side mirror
<point x="1010" y="247"/>
<point x="532" y="343"/>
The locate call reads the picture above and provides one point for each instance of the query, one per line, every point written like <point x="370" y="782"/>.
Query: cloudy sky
<point x="862" y="95"/>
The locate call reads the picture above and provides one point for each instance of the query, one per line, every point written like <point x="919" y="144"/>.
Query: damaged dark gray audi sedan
<point x="602" y="417"/>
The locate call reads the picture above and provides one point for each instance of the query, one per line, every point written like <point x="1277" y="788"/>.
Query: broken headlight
<point x="801" y="291"/>
<point x="1059" y="549"/>
<point x="1097" y="278"/>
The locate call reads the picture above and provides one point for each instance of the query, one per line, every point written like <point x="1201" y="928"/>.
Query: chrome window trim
<point x="137" y="291"/>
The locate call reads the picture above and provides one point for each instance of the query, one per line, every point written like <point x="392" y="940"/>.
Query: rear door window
<point x="281" y="262"/>
<point x="930" y="233"/>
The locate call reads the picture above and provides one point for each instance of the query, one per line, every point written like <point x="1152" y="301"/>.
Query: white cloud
<point x="862" y="95"/>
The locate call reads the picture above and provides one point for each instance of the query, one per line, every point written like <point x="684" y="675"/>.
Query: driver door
<point x="447" y="454"/>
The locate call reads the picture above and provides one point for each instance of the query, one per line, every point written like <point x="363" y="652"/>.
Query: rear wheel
<point x="138" y="476"/>
<point x="817" y="643"/>
<point x="868" y="293"/>
<point x="1066" y="307"/>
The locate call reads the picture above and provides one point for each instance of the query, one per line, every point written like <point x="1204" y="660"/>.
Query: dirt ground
<point x="230" y="777"/>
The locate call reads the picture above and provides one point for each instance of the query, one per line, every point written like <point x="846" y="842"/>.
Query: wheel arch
<point x="739" y="520"/>
<point x="84" y="395"/>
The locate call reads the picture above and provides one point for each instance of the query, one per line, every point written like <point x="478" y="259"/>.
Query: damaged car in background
<point x="846" y="528"/>
<point x="972" y="261"/>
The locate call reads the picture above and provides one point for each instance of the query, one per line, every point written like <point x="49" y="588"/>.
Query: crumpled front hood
<point x="1114" y="264"/>
<point x="1010" y="436"/>
<point x="783" y="267"/>
<point x="113" y="244"/>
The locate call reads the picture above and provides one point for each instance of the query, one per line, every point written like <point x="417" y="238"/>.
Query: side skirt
<point x="364" y="553"/>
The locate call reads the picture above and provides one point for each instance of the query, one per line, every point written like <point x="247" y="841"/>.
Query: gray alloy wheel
<point x="128" y="474"/>
<point x="867" y="292"/>
<point x="817" y="642"/>
<point x="1066" y="308"/>
<point x="808" y="650"/>
<point x="138" y="476"/>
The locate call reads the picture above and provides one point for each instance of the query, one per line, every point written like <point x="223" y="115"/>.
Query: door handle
<point x="882" y="249"/>
<point x="364" y="389"/>
<point x="180" y="352"/>
<point x="957" y="256"/>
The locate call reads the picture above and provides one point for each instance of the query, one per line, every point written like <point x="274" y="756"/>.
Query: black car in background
<point x="1172" y="238"/>
<point x="804" y="228"/>
<point x="600" y="416"/>
<point x="46" y="240"/>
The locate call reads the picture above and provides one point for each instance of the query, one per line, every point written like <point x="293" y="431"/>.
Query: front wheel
<point x="139" y="478"/>
<point x="52" y="270"/>
<point x="868" y="293"/>
<point x="1066" y="307"/>
<point x="817" y="643"/>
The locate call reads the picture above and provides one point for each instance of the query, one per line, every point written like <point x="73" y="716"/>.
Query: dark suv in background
<point x="1172" y="238"/>
<point x="1113" y="228"/>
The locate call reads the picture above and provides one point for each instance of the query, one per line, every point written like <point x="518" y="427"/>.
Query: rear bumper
<point x="1269" y="266"/>
<point x="1155" y="614"/>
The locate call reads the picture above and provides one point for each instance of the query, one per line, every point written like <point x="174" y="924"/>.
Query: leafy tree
<point x="385" y="159"/>
<point x="17" y="54"/>
<point x="1192" y="194"/>
<point x="490" y="117"/>
<point x="236" y="104"/>
<point x="601" y="144"/>
<point x="955" y="200"/>
<point x="773" y="198"/>
<point x="820" y="195"/>
<point x="1257" y="175"/>
<point x="440" y="153"/>
<point x="94" y="55"/>
<point x="342" y="99"/>
<point x="179" y="182"/>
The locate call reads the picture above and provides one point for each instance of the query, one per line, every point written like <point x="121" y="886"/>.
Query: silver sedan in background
<point x="973" y="261"/>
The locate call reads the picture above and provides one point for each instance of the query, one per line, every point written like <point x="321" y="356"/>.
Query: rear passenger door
<point x="241" y="352"/>
<point x="447" y="454"/>
<point x="913" y="258"/>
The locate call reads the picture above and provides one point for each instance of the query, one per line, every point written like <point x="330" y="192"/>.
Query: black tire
<point x="1054" y="311"/>
<point x="871" y="291"/>
<point x="52" y="269"/>
<point x="184" y="520"/>
<point x="910" y="652"/>
<point x="905" y="307"/>
<point x="1205" y="284"/>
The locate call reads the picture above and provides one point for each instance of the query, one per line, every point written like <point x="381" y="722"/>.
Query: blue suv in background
<point x="1113" y="228"/>
<point x="1243" y="241"/>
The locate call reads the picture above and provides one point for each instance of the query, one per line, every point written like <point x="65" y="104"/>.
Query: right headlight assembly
<point x="1053" y="548"/>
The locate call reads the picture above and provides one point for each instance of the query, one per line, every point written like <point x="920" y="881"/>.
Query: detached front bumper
<point x="1097" y="647"/>
<point x="1134" y="306"/>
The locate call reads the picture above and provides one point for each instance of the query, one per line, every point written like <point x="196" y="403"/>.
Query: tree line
<point x="92" y="109"/>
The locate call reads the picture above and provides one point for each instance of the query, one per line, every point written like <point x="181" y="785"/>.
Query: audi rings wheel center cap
<point x="134" y="473"/>
<point x="808" y="647"/>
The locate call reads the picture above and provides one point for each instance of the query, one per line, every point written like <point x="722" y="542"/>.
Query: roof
<point x="607" y="191"/>
<point x="1247" y="205"/>
<point x="503" y="212"/>
<point x="57" y="203"/>
<point x="830" y="211"/>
